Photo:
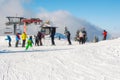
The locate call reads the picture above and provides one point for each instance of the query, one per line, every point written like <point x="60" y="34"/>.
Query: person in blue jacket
<point x="17" y="39"/>
<point x="9" y="40"/>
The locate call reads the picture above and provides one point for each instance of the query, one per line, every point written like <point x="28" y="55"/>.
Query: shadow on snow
<point x="25" y="51"/>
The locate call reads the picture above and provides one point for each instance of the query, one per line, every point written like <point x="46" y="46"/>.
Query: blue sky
<point x="103" y="13"/>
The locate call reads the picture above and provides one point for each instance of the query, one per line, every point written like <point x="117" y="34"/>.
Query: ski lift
<point x="13" y="21"/>
<point x="46" y="27"/>
<point x="47" y="30"/>
<point x="8" y="30"/>
<point x="18" y="30"/>
<point x="36" y="21"/>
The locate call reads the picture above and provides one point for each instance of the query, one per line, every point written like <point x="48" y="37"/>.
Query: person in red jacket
<point x="104" y="34"/>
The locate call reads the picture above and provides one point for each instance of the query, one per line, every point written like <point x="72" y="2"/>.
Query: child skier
<point x="29" y="42"/>
<point x="9" y="40"/>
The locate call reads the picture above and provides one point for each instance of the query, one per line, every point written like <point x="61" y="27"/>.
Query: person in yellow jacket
<point x="24" y="37"/>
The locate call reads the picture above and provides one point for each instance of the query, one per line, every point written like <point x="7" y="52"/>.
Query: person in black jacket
<point x="67" y="33"/>
<point x="40" y="36"/>
<point x="36" y="40"/>
<point x="53" y="31"/>
<point x="84" y="36"/>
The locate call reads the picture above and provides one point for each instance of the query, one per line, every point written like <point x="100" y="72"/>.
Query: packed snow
<point x="90" y="61"/>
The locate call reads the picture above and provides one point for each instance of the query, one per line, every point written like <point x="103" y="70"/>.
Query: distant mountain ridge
<point x="63" y="18"/>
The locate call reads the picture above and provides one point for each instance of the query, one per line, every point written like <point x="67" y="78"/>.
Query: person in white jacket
<point x="80" y="37"/>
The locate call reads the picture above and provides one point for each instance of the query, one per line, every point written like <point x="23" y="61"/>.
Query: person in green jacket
<point x="29" y="43"/>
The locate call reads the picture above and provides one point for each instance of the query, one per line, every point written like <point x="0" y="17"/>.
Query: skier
<point x="29" y="42"/>
<point x="53" y="31"/>
<point x="81" y="39"/>
<point x="36" y="40"/>
<point x="24" y="37"/>
<point x="95" y="39"/>
<point x="104" y="34"/>
<point x="9" y="40"/>
<point x="40" y="36"/>
<point x="17" y="39"/>
<point x="67" y="33"/>
<point x="84" y="35"/>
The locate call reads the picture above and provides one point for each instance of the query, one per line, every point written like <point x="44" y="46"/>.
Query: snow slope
<point x="92" y="61"/>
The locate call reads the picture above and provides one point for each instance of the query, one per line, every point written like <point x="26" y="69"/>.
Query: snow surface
<point x="91" y="61"/>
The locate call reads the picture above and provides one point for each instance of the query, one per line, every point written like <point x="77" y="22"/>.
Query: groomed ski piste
<point x="91" y="61"/>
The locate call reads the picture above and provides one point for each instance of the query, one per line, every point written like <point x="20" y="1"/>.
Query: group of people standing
<point x="30" y="42"/>
<point x="38" y="39"/>
<point x="40" y="35"/>
<point x="23" y="37"/>
<point x="82" y="36"/>
<point x="18" y="38"/>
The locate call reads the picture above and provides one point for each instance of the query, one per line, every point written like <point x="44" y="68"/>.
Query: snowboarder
<point x="24" y="37"/>
<point x="9" y="40"/>
<point x="29" y="42"/>
<point x="104" y="34"/>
